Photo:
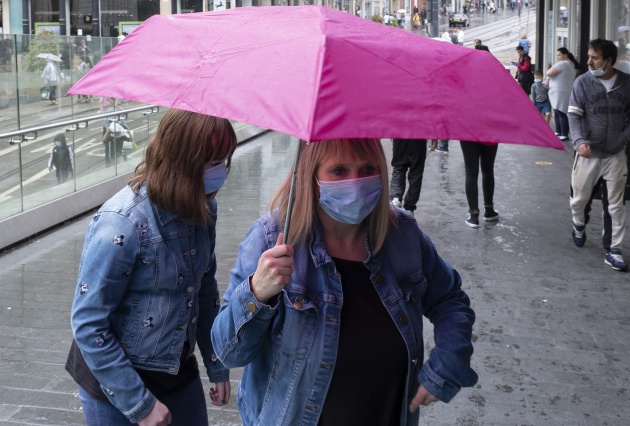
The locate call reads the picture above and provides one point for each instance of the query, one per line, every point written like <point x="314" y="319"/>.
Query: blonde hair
<point x="304" y="214"/>
<point x="174" y="161"/>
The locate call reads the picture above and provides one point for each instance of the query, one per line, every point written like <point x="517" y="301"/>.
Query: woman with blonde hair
<point x="146" y="291"/>
<point x="329" y="328"/>
<point x="524" y="41"/>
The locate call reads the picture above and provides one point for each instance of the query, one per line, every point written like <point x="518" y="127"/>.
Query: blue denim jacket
<point x="289" y="346"/>
<point x="146" y="283"/>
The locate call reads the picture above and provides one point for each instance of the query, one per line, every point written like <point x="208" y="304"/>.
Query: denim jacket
<point x="146" y="284"/>
<point x="289" y="347"/>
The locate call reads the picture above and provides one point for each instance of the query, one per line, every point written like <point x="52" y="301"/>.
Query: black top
<point x="368" y="383"/>
<point x="159" y="383"/>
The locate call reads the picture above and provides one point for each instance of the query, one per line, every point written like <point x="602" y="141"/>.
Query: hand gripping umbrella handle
<point x="287" y="223"/>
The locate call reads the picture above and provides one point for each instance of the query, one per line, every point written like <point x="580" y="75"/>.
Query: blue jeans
<point x="187" y="406"/>
<point x="442" y="145"/>
<point x="562" y="123"/>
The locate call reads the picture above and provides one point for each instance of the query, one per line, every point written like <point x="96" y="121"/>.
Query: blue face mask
<point x="598" y="72"/>
<point x="351" y="200"/>
<point x="214" y="177"/>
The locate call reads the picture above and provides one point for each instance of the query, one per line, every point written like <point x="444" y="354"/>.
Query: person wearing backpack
<point x="524" y="73"/>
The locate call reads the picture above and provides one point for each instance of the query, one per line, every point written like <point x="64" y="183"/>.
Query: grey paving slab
<point x="551" y="337"/>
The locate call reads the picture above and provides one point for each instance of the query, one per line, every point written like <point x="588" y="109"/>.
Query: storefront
<point x="110" y="18"/>
<point x="572" y="23"/>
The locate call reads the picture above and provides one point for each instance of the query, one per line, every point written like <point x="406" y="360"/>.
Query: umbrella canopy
<point x="49" y="57"/>
<point x="318" y="73"/>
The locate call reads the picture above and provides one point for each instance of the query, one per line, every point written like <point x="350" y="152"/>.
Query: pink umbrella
<point x="318" y="73"/>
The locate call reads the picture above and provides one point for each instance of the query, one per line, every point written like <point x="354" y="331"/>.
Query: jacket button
<point x="380" y="278"/>
<point x="298" y="303"/>
<point x="403" y="320"/>
<point x="193" y="320"/>
<point x="414" y="361"/>
<point x="190" y="289"/>
<point x="251" y="307"/>
<point x="193" y="252"/>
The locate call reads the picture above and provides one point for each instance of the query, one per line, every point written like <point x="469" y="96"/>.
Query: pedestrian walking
<point x="525" y="43"/>
<point x="598" y="121"/>
<point x="51" y="78"/>
<point x="115" y="134"/>
<point x="61" y="159"/>
<point x="317" y="325"/>
<point x="454" y="36"/>
<point x="524" y="72"/>
<point x="460" y="37"/>
<point x="476" y="155"/>
<point x="442" y="146"/>
<point x="416" y="21"/>
<point x="146" y="292"/>
<point x="480" y="46"/>
<point x="83" y="69"/>
<point x="84" y="53"/>
<point x="540" y="96"/>
<point x="408" y="158"/>
<point x="560" y="78"/>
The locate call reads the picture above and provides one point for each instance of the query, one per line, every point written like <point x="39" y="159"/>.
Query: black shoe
<point x="490" y="215"/>
<point x="473" y="220"/>
<point x="579" y="235"/>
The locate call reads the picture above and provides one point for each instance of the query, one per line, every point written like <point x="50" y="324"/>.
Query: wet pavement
<point x="551" y="338"/>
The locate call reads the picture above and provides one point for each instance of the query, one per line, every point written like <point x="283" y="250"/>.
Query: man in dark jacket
<point x="599" y="117"/>
<point x="524" y="73"/>
<point x="480" y="46"/>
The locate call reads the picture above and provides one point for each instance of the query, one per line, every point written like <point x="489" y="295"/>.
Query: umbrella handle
<point x="287" y="221"/>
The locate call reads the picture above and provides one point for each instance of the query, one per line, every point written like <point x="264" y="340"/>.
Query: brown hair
<point x="304" y="214"/>
<point x="174" y="161"/>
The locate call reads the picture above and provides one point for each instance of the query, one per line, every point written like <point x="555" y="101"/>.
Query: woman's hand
<point x="273" y="272"/>
<point x="220" y="393"/>
<point x="423" y="397"/>
<point x="158" y="416"/>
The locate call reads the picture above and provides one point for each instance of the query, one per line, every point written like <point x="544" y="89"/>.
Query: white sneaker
<point x="396" y="202"/>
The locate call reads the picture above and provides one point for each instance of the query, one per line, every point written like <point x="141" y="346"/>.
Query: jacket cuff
<point x="439" y="387"/>
<point x="219" y="375"/>
<point x="250" y="306"/>
<point x="143" y="409"/>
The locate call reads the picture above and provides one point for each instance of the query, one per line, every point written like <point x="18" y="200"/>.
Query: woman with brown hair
<point x="146" y="292"/>
<point x="560" y="78"/>
<point x="329" y="328"/>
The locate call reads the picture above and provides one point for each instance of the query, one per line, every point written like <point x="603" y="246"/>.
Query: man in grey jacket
<point x="599" y="112"/>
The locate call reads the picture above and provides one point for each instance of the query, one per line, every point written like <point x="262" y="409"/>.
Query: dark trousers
<point x="477" y="154"/>
<point x="53" y="93"/>
<point x="408" y="160"/>
<point x="562" y="122"/>
<point x="62" y="175"/>
<point x="527" y="87"/>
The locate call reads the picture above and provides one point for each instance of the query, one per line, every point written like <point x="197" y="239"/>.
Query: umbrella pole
<point x="287" y="222"/>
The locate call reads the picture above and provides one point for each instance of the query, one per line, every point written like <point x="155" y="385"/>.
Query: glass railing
<point x="36" y="171"/>
<point x="29" y="123"/>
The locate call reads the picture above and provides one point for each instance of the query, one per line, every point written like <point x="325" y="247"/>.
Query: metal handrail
<point x="150" y="109"/>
